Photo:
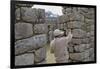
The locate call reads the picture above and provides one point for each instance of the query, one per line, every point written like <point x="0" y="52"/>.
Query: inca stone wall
<point x="30" y="35"/>
<point x="81" y="22"/>
<point x="32" y="32"/>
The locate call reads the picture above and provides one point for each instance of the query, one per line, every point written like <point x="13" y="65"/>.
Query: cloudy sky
<point x="53" y="9"/>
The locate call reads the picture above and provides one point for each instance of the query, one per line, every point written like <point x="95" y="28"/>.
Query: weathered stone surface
<point x="17" y="14"/>
<point x="33" y="15"/>
<point x="23" y="30"/>
<point x="40" y="40"/>
<point x="79" y="56"/>
<point x="85" y="40"/>
<point x="70" y="49"/>
<point x="40" y="28"/>
<point x="25" y="59"/>
<point x="92" y="27"/>
<point x="92" y="39"/>
<point x="75" y="24"/>
<point x="63" y="18"/>
<point x="81" y="47"/>
<point x="83" y="10"/>
<point x="76" y="17"/>
<point x="40" y="55"/>
<point x="89" y="15"/>
<point x="92" y="57"/>
<point x="76" y="41"/>
<point x="91" y="21"/>
<point x="30" y="15"/>
<point x="25" y="45"/>
<point x="78" y="33"/>
<point x="67" y="10"/>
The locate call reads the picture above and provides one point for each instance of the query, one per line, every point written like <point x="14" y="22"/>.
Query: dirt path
<point x="50" y="57"/>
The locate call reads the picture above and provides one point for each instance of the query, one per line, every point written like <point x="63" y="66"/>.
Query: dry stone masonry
<point x="30" y="37"/>
<point x="81" y="21"/>
<point x="32" y="33"/>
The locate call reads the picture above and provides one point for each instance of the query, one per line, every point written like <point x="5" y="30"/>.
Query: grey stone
<point x="76" y="41"/>
<point x="91" y="21"/>
<point x="92" y="39"/>
<point x="81" y="47"/>
<point x="89" y="15"/>
<point x="92" y="27"/>
<point x="30" y="15"/>
<point x="22" y="46"/>
<point x="25" y="59"/>
<point x="23" y="30"/>
<point x="17" y="14"/>
<point x="40" y="55"/>
<point x="40" y="28"/>
<point x="40" y="40"/>
<point x="92" y="57"/>
<point x="79" y="56"/>
<point x="32" y="43"/>
<point x="70" y="49"/>
<point x="83" y="10"/>
<point x="75" y="24"/>
<point x="34" y="15"/>
<point x="76" y="17"/>
<point x="86" y="40"/>
<point x="92" y="33"/>
<point x="78" y="33"/>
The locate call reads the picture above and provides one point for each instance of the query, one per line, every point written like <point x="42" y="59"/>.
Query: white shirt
<point x="59" y="46"/>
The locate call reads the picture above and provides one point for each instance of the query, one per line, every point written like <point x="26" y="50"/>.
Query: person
<point x="59" y="46"/>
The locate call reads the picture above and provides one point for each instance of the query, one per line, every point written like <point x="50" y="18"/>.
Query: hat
<point x="58" y="32"/>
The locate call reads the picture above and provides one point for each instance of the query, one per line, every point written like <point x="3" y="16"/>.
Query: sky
<point x="53" y="9"/>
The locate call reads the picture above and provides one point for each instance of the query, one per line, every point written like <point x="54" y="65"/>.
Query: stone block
<point x="40" y="28"/>
<point x="76" y="17"/>
<point x="17" y="14"/>
<point x="34" y="15"/>
<point x="75" y="24"/>
<point x="79" y="33"/>
<point x="79" y="56"/>
<point x="23" y="30"/>
<point x="25" y="59"/>
<point x="81" y="47"/>
<point x="32" y="43"/>
<point x="40" y="55"/>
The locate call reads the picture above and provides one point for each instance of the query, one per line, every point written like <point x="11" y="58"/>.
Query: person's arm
<point x="69" y="37"/>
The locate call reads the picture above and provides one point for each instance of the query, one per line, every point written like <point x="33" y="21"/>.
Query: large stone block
<point x="40" y="55"/>
<point x="76" y="17"/>
<point x="75" y="24"/>
<point x="32" y="43"/>
<point x="33" y="15"/>
<point x="23" y="30"/>
<point x="78" y="33"/>
<point x="63" y="18"/>
<point x="22" y="46"/>
<point x="76" y="41"/>
<point x="82" y="47"/>
<point x="86" y="40"/>
<point x="91" y="21"/>
<point x="17" y="14"/>
<point x="25" y="59"/>
<point x="79" y="56"/>
<point x="40" y="40"/>
<point x="89" y="15"/>
<point x="40" y="28"/>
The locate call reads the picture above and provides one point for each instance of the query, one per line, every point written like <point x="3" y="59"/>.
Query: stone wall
<point x="81" y="21"/>
<point x="30" y="35"/>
